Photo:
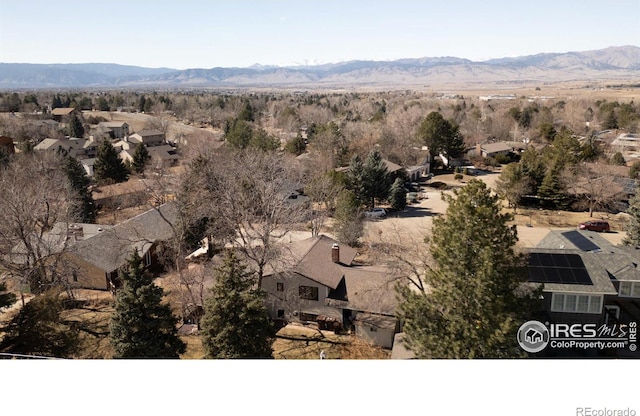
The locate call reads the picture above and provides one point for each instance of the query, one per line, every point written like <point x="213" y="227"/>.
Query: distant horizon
<point x="318" y="64"/>
<point x="285" y="33"/>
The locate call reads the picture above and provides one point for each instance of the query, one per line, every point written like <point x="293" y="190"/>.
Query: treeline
<point x="390" y="119"/>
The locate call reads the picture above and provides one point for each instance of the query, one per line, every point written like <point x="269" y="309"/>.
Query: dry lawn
<point x="303" y="343"/>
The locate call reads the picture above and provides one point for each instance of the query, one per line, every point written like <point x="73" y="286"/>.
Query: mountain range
<point x="619" y="63"/>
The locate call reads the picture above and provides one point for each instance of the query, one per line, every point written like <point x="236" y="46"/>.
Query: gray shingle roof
<point x="110" y="249"/>
<point x="609" y="262"/>
<point x="316" y="263"/>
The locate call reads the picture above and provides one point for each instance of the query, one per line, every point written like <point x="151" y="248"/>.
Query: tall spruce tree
<point x="356" y="180"/>
<point x="140" y="159"/>
<point x="108" y="167"/>
<point x="142" y="326"/>
<point x="236" y="323"/>
<point x="85" y="209"/>
<point x="632" y="227"/>
<point x="398" y="195"/>
<point x="76" y="129"/>
<point x="39" y="329"/>
<point x="476" y="300"/>
<point x="377" y="180"/>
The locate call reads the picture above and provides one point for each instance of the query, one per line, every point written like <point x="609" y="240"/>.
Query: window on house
<point x="308" y="292"/>
<point x="629" y="289"/>
<point x="280" y="313"/>
<point x="595" y="304"/>
<point x="583" y="303"/>
<point x="308" y="317"/>
<point x="558" y="302"/>
<point x="373" y="329"/>
<point x="74" y="274"/>
<point x="635" y="289"/>
<point x="280" y="287"/>
<point x="564" y="302"/>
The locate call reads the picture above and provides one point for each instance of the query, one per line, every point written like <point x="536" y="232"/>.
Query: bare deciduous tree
<point x="594" y="184"/>
<point x="36" y="201"/>
<point x="248" y="192"/>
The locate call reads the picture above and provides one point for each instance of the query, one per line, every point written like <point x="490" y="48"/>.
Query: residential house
<point x="318" y="281"/>
<point x="134" y="192"/>
<point x="587" y="279"/>
<point x="76" y="147"/>
<point x="148" y="138"/>
<point x="59" y="114"/>
<point x="116" y="129"/>
<point x="99" y="252"/>
<point x="161" y="156"/>
<point x="87" y="165"/>
<point x="499" y="148"/>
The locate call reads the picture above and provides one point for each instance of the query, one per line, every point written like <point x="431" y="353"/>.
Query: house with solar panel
<point x="586" y="278"/>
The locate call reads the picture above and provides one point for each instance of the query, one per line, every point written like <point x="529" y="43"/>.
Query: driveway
<point x="416" y="221"/>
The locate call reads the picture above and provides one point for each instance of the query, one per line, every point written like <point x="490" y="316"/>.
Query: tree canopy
<point x="140" y="159"/>
<point x="85" y="209"/>
<point x="441" y="135"/>
<point x="475" y="302"/>
<point x="142" y="326"/>
<point x="108" y="167"/>
<point x="38" y="329"/>
<point x="633" y="224"/>
<point x="76" y="129"/>
<point x="236" y="323"/>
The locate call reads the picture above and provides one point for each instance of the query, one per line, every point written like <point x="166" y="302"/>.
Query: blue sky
<point x="240" y="33"/>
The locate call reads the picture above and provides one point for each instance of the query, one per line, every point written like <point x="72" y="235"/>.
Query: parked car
<point x="595" y="226"/>
<point x="376" y="213"/>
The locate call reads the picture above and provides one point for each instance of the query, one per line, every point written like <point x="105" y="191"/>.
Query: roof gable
<point x="110" y="249"/>
<point x="62" y="111"/>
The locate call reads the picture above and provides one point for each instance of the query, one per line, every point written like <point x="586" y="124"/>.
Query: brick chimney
<point x="335" y="253"/>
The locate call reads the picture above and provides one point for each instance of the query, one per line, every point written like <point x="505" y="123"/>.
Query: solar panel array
<point x="580" y="241"/>
<point x="630" y="186"/>
<point x="558" y="268"/>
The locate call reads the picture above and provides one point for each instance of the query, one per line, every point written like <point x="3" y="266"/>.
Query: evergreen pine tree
<point x="297" y="145"/>
<point x="632" y="226"/>
<point x="236" y="323"/>
<point x="347" y="219"/>
<point x="38" y="329"/>
<point x="356" y="180"/>
<point x="142" y="326"/>
<point x="108" y="167"/>
<point x="551" y="189"/>
<point x="377" y="181"/>
<point x="441" y="136"/>
<point x="76" y="129"/>
<point x="85" y="211"/>
<point x="238" y="133"/>
<point x="140" y="159"/>
<point x="57" y="102"/>
<point x="398" y="195"/>
<point x="475" y="304"/>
